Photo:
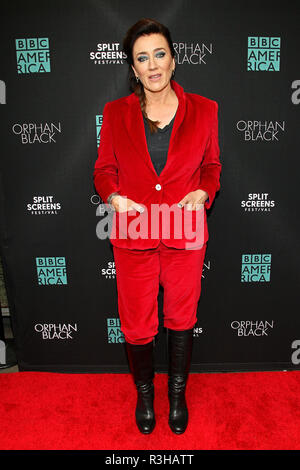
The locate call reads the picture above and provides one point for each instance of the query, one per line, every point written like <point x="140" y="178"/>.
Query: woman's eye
<point x="141" y="58"/>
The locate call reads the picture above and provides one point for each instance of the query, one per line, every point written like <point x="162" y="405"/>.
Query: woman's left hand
<point x="194" y="199"/>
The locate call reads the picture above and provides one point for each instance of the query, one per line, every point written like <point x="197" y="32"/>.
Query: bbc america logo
<point x="263" y="54"/>
<point x="33" y="55"/>
<point x="114" y="333"/>
<point x="256" y="267"/>
<point x="51" y="271"/>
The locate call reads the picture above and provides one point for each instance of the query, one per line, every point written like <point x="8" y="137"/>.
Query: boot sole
<point x="176" y="431"/>
<point x="147" y="432"/>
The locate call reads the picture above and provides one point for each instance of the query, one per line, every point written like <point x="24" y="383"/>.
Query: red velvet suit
<point x="124" y="164"/>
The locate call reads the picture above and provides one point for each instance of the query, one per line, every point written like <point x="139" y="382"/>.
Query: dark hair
<point x="143" y="27"/>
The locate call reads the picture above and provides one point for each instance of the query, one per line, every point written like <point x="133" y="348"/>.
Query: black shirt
<point x="158" y="144"/>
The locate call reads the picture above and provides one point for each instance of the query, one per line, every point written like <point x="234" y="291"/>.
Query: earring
<point x="173" y="73"/>
<point x="137" y="78"/>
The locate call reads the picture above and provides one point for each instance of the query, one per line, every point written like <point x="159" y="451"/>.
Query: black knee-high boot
<point x="140" y="358"/>
<point x="180" y="345"/>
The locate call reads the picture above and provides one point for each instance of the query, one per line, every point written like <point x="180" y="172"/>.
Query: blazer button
<point x="158" y="187"/>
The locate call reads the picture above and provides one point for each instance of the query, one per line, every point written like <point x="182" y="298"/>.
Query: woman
<point x="158" y="149"/>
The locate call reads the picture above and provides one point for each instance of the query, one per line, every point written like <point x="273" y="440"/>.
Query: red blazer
<point x="124" y="166"/>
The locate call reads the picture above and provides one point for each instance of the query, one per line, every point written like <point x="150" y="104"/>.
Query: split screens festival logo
<point x="263" y="54"/>
<point x="108" y="54"/>
<point x="110" y="271"/>
<point x="258" y="202"/>
<point x="43" y="205"/>
<point x="33" y="55"/>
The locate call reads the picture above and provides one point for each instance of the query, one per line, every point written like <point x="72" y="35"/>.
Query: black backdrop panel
<point x="60" y="63"/>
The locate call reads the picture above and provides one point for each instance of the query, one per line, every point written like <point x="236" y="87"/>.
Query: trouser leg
<point x="180" y="276"/>
<point x="137" y="274"/>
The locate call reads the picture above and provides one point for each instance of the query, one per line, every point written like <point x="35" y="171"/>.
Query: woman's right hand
<point x="124" y="204"/>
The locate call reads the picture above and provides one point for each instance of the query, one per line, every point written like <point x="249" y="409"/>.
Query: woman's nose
<point x="152" y="63"/>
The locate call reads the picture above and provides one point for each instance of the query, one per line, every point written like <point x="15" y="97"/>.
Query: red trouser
<point x="139" y="273"/>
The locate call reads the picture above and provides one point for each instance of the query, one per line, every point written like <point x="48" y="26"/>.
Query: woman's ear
<point x="133" y="70"/>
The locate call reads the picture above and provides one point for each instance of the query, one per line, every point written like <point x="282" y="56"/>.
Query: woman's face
<point x="152" y="61"/>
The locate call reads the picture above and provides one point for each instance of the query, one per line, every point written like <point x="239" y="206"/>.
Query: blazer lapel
<point x="135" y="126"/>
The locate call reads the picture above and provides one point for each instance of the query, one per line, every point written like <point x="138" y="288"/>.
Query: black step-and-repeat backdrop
<point x="61" y="61"/>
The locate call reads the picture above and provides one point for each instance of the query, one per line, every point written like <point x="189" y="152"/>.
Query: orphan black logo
<point x="252" y="328"/>
<point x="56" y="331"/>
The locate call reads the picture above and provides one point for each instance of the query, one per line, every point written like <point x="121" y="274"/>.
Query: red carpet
<point x="250" y="410"/>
